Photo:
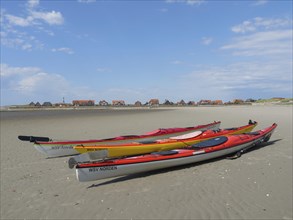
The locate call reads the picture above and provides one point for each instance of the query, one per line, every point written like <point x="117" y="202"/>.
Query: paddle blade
<point x="87" y="157"/>
<point x="99" y="154"/>
<point x="33" y="138"/>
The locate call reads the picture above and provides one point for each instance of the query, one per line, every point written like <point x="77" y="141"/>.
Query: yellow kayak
<point x="136" y="148"/>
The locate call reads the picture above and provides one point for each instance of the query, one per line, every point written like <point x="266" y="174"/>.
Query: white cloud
<point x="21" y="85"/>
<point x="268" y="74"/>
<point x="194" y="2"/>
<point x="42" y="82"/>
<point x="34" y="18"/>
<point x="239" y="79"/>
<point x="244" y="27"/>
<point x="33" y="3"/>
<point x="260" y="23"/>
<point x="32" y="83"/>
<point x="29" y="79"/>
<point x="262" y="43"/>
<point x="19" y="21"/>
<point x="262" y="37"/>
<point x="188" y="2"/>
<point x="52" y="18"/>
<point x="63" y="49"/>
<point x="7" y="71"/>
<point x="86" y="1"/>
<point x="207" y="40"/>
<point x="271" y="41"/>
<point x="260" y="2"/>
<point x="18" y="38"/>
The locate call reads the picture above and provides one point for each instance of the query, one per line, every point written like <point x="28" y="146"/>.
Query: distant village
<point x="151" y="102"/>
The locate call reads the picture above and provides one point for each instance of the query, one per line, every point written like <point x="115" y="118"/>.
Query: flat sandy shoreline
<point x="258" y="185"/>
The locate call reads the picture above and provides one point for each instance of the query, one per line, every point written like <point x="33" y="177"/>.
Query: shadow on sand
<point x="170" y="169"/>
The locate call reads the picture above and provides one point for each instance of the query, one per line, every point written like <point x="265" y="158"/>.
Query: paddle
<point x="87" y="157"/>
<point x="33" y="138"/>
<point x="257" y="142"/>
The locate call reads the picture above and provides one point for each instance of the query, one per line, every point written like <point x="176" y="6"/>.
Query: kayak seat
<point x="187" y="136"/>
<point x="165" y="153"/>
<point x="210" y="143"/>
<point x="252" y="133"/>
<point x="230" y="129"/>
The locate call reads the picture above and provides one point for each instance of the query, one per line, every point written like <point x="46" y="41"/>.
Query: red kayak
<point x="216" y="147"/>
<point x="54" y="148"/>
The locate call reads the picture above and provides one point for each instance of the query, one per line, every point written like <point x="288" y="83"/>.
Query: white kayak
<point x="58" y="148"/>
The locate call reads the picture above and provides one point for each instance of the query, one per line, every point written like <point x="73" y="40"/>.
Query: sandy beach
<point x="258" y="185"/>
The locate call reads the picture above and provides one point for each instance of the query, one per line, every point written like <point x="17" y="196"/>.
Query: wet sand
<point x="258" y="185"/>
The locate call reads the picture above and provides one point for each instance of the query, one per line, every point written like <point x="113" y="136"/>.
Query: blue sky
<point x="139" y="50"/>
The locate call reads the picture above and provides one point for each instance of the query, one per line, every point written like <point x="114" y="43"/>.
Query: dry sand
<point x="257" y="185"/>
